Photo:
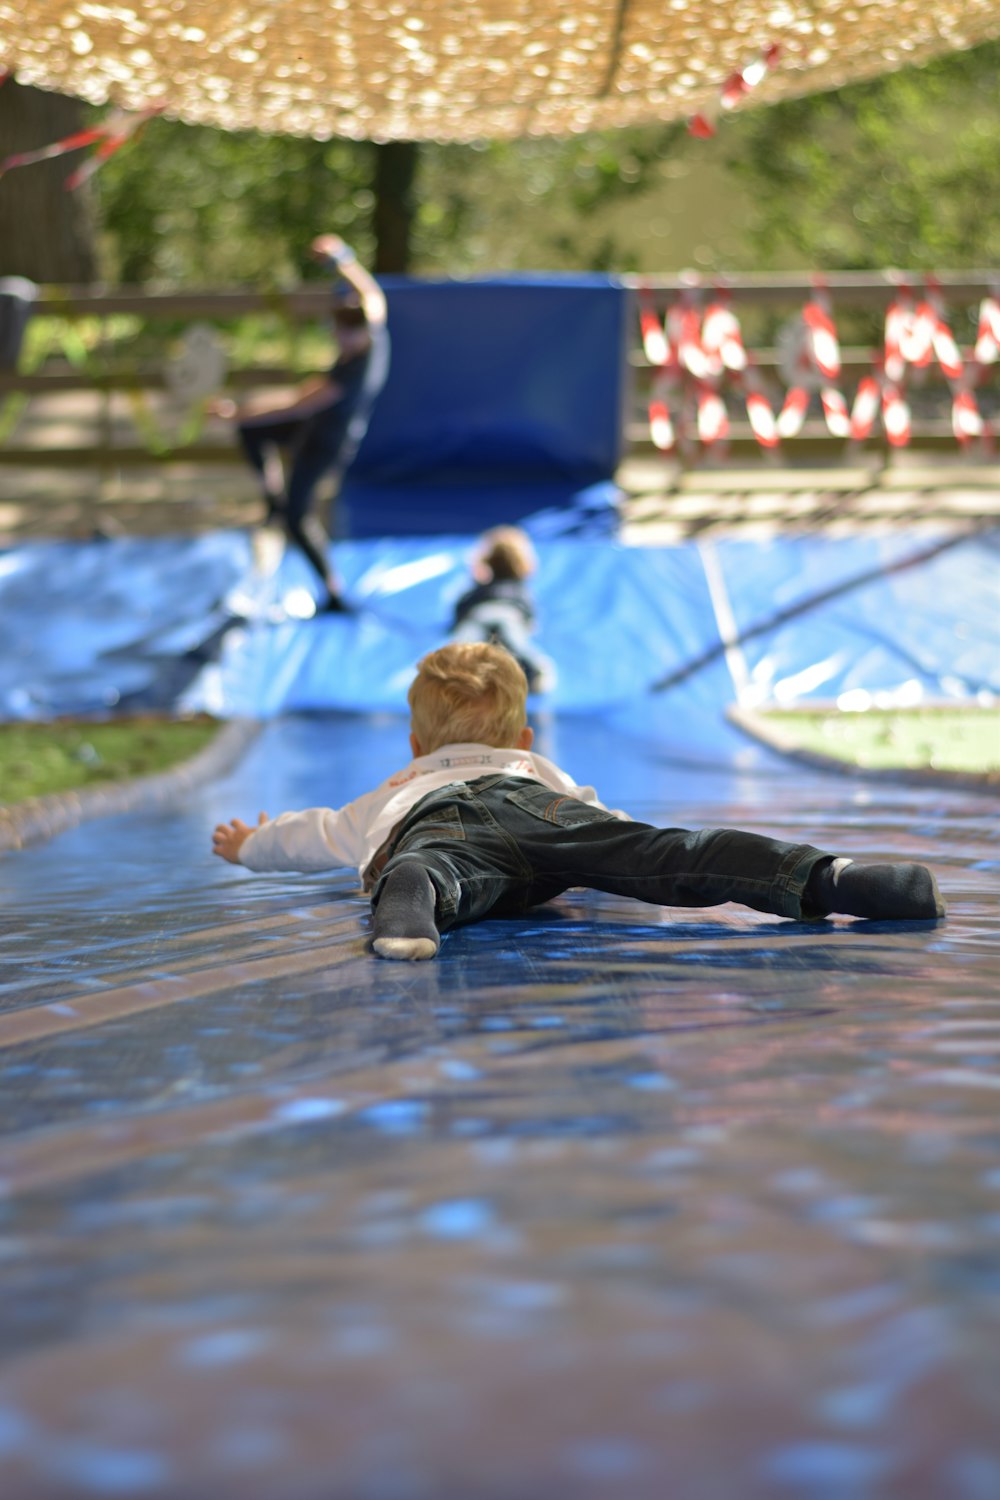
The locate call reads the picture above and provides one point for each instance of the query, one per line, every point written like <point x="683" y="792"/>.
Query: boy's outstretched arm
<point x="229" y="838"/>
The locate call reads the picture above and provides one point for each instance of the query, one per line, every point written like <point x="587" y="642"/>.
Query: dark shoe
<point x="884" y="893"/>
<point x="404" y="917"/>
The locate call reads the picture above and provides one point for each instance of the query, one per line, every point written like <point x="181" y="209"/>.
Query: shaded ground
<point x="663" y="504"/>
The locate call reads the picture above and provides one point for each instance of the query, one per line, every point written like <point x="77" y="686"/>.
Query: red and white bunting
<point x="897" y="321"/>
<point x="947" y="352"/>
<point x="733" y="91"/>
<point x="654" y="339"/>
<point x="722" y="336"/>
<point x="966" y="419"/>
<point x="112" y="134"/>
<point x="793" y="413"/>
<point x="706" y="354"/>
<point x="988" y="333"/>
<point x="701" y="127"/>
<point x="661" y="427"/>
<point x="73" y="142"/>
<point x="865" y="408"/>
<point x="691" y="352"/>
<point x="738" y="85"/>
<point x="895" y="415"/>
<point x="835" y="411"/>
<point x="713" y="419"/>
<point x="822" y="344"/>
<point x="917" y="343"/>
<point x="765" y="428"/>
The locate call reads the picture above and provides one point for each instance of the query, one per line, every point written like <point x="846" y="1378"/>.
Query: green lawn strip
<point x="39" y="759"/>
<point x="938" y="739"/>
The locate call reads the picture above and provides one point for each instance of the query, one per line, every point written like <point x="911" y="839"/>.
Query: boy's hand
<point x="229" y="838"/>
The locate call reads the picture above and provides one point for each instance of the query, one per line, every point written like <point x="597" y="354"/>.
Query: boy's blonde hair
<point x="468" y="692"/>
<point x="507" y="552"/>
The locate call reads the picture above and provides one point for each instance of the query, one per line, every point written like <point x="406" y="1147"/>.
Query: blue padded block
<point x="504" y="397"/>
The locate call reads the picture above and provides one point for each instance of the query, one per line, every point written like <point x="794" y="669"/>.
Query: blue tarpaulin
<point x="609" y="1200"/>
<point x="188" y="622"/>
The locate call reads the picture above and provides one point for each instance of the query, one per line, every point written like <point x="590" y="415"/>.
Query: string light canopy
<point x="465" y="70"/>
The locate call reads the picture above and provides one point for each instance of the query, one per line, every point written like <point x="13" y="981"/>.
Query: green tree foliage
<point x="903" y="171"/>
<point x="538" y="202"/>
<point x="187" y="204"/>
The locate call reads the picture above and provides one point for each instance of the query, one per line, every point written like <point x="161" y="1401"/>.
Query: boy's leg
<point x="500" y="846"/>
<point x="450" y="863"/>
<point x="570" y="843"/>
<point x="683" y="867"/>
<point x="405" y="925"/>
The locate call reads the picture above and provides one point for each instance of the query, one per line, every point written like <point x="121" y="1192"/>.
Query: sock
<point x="887" y="893"/>
<point x="404" y="917"/>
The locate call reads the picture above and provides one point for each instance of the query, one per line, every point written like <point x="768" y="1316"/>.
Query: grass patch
<point x="36" y="759"/>
<point x="938" y="739"/>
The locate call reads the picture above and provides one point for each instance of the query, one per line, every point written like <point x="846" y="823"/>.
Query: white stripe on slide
<point x="725" y="621"/>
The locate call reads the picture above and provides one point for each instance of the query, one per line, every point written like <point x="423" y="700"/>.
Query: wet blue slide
<point x="615" y="1201"/>
<point x="611" y="1196"/>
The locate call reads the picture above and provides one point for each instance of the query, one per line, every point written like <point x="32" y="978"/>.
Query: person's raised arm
<point x="331" y="248"/>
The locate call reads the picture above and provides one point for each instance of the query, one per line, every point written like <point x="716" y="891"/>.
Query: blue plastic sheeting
<point x="505" y="397"/>
<point x="610" y="1201"/>
<point x="935" y="626"/>
<point x="160" y="623"/>
<point x="111" y="625"/>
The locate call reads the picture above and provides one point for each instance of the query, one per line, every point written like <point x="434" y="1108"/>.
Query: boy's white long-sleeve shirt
<point x="326" y="838"/>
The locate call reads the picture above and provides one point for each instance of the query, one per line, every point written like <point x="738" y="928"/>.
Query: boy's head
<point x="506" y="552"/>
<point x="468" y="692"/>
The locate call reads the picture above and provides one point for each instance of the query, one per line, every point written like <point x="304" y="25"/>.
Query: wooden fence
<point x="764" y="304"/>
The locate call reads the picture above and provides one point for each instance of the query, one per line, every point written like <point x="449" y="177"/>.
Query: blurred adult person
<point x="317" y="432"/>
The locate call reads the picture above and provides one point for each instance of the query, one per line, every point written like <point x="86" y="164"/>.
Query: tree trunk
<point x="46" y="233"/>
<point x="392" y="218"/>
